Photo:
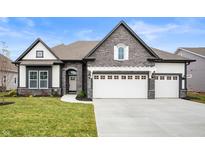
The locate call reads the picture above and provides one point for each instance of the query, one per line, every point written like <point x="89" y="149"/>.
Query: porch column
<point x="63" y="82"/>
<point x="151" y="86"/>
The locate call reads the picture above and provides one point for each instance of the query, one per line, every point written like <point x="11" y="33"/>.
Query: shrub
<point x="11" y="93"/>
<point x="81" y="94"/>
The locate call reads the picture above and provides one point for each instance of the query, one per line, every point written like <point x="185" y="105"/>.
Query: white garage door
<point x="120" y="86"/>
<point x="167" y="86"/>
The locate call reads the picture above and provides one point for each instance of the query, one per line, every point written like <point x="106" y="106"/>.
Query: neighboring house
<point x="196" y="70"/>
<point x="8" y="74"/>
<point x="121" y="65"/>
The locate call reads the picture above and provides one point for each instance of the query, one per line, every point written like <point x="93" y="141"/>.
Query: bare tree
<point x="5" y="68"/>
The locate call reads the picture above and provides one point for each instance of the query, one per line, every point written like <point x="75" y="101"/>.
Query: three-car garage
<point x="134" y="86"/>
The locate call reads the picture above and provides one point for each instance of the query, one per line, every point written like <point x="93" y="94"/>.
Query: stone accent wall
<point x="76" y="66"/>
<point x="182" y="93"/>
<point x="39" y="92"/>
<point x="104" y="56"/>
<point x="151" y="88"/>
<point x="105" y="53"/>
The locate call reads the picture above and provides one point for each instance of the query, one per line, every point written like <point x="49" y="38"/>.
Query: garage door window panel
<point x="169" y="77"/>
<point x="143" y="77"/>
<point x="123" y="77"/>
<point x="137" y="77"/>
<point x="96" y="77"/>
<point x="109" y="77"/>
<point x="161" y="77"/>
<point x="102" y="77"/>
<point x="174" y="77"/>
<point x="116" y="77"/>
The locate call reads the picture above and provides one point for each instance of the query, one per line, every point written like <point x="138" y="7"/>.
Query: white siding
<point x="22" y="76"/>
<point x="170" y="68"/>
<point x="46" y="53"/>
<point x="10" y="80"/>
<point x="55" y="75"/>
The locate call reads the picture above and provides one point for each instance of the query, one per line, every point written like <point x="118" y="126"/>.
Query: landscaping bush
<point x="81" y="95"/>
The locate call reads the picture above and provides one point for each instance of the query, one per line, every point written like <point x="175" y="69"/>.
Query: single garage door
<point x="120" y="86"/>
<point x="167" y="86"/>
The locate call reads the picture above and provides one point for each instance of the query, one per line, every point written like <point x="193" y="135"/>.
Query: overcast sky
<point x="164" y="33"/>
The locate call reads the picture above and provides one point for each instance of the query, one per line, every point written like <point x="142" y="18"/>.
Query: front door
<point x="72" y="83"/>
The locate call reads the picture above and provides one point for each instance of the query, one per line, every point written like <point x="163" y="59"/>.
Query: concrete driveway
<point x="142" y="117"/>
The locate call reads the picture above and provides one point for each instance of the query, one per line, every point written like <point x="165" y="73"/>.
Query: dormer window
<point x="121" y="52"/>
<point x="39" y="54"/>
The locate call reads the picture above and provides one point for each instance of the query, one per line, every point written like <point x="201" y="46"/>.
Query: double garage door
<point x="133" y="86"/>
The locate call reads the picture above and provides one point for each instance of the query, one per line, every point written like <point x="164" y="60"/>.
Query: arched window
<point x="121" y="53"/>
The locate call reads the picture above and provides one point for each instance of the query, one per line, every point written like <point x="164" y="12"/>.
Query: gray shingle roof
<point x="74" y="51"/>
<point x="199" y="50"/>
<point x="78" y="50"/>
<point x="167" y="55"/>
<point x="5" y="61"/>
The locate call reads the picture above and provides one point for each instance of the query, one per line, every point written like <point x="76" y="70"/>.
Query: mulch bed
<point x="6" y="103"/>
<point x="83" y="99"/>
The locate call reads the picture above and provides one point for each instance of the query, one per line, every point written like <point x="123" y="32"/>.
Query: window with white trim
<point x="33" y="79"/>
<point x="43" y="79"/>
<point x="121" y="52"/>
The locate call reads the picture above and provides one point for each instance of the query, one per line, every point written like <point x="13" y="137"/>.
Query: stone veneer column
<point x="183" y="93"/>
<point x="89" y="86"/>
<point x="63" y="82"/>
<point x="151" y="88"/>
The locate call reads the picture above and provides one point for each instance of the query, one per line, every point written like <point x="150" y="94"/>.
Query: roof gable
<point x="9" y="66"/>
<point x="32" y="46"/>
<point x="122" y="23"/>
<point x="200" y="51"/>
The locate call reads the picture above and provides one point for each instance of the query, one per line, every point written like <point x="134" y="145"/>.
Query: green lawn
<point x="197" y="97"/>
<point x="46" y="116"/>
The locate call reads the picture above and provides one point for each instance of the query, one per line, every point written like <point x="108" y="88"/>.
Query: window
<point x="174" y="77"/>
<point x="96" y="77"/>
<point x="169" y="77"/>
<point x="120" y="53"/>
<point x="161" y="77"/>
<point x="43" y="79"/>
<point x="109" y="77"/>
<point x="123" y="77"/>
<point x="39" y="54"/>
<point x="33" y="79"/>
<point x="72" y="78"/>
<point x="129" y="77"/>
<point x="116" y="77"/>
<point x="143" y="77"/>
<point x="137" y="77"/>
<point x="14" y="80"/>
<point x="102" y="77"/>
<point x="4" y="79"/>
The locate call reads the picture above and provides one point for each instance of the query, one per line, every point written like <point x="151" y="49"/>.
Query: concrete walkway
<point x="71" y="98"/>
<point x="143" y="117"/>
